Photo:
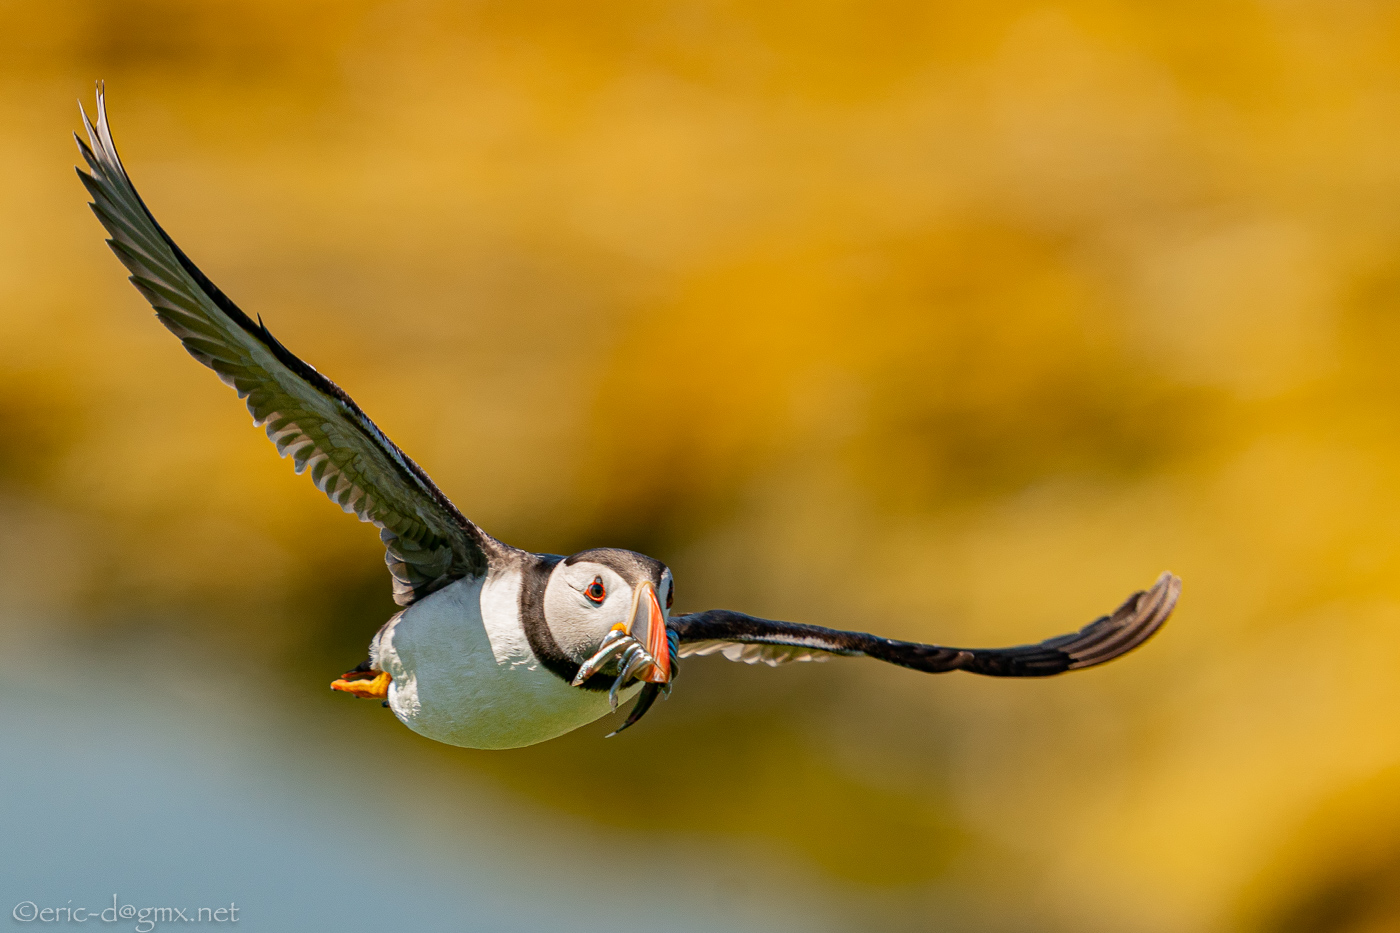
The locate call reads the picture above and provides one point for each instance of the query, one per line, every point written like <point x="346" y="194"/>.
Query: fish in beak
<point x="641" y="645"/>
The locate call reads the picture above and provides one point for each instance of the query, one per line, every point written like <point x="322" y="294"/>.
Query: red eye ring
<point x="596" y="591"/>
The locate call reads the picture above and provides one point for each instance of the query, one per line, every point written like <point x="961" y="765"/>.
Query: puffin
<point x="495" y="647"/>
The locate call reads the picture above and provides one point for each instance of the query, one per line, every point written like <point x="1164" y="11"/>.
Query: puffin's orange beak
<point x="649" y="627"/>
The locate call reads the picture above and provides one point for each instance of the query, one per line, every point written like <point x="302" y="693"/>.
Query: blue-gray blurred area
<point x="136" y="779"/>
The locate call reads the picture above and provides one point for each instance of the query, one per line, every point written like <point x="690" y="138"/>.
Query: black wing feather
<point x="1104" y="639"/>
<point x="428" y="542"/>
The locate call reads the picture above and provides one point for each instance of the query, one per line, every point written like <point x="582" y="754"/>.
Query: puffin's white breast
<point x="463" y="672"/>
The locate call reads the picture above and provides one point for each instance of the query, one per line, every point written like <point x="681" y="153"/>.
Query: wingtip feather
<point x="1140" y="617"/>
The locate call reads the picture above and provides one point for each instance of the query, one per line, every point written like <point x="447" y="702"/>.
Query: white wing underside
<point x="772" y="655"/>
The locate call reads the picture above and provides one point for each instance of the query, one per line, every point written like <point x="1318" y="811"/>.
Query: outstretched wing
<point x="429" y="543"/>
<point x="744" y="638"/>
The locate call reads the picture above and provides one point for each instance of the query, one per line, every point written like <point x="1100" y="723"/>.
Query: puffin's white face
<point x="586" y="598"/>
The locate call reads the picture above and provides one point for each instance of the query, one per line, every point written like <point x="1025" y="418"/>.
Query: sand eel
<point x="496" y="647"/>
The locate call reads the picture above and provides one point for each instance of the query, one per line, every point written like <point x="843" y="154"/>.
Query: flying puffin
<point x="496" y="647"/>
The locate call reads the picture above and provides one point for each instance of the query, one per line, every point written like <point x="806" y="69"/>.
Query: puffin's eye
<point x="595" y="591"/>
<point x="671" y="596"/>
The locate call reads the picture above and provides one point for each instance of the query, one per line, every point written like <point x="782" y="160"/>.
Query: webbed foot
<point x="363" y="681"/>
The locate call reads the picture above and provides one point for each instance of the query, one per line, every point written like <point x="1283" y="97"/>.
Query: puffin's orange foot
<point x="371" y="684"/>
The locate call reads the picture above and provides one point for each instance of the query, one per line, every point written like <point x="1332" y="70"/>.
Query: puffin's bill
<point x="649" y="628"/>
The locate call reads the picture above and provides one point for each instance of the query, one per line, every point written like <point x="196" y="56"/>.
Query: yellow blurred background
<point x="956" y="322"/>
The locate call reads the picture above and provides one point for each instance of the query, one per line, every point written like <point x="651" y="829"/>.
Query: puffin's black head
<point x="604" y="588"/>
